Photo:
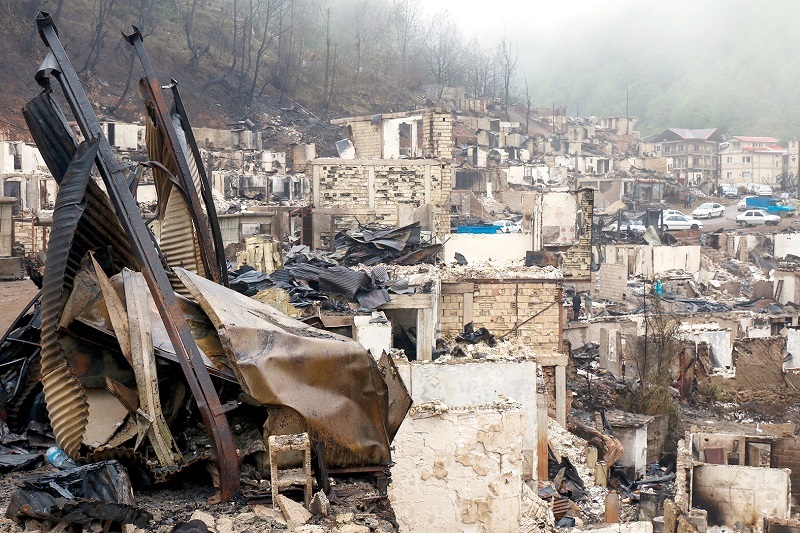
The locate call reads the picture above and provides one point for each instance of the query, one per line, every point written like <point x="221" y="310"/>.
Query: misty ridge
<point x="694" y="64"/>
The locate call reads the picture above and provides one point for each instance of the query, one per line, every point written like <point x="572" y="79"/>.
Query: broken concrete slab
<point x="320" y="505"/>
<point x="459" y="468"/>
<point x="294" y="513"/>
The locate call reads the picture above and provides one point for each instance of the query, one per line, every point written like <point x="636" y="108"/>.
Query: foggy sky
<point x="725" y="63"/>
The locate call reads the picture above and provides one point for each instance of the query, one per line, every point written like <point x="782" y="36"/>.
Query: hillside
<point x="213" y="91"/>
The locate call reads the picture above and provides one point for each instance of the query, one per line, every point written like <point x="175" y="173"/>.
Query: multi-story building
<point x="745" y="160"/>
<point x="693" y="153"/>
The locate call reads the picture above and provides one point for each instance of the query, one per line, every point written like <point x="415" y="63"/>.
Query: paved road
<point x="728" y="219"/>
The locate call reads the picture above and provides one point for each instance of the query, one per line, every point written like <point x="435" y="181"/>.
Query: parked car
<point x="508" y="226"/>
<point x="773" y="206"/>
<point x="708" y="210"/>
<point x="627" y="225"/>
<point x="667" y="212"/>
<point x="756" y="217"/>
<point x="728" y="191"/>
<point x="680" y="221"/>
<point x="764" y="190"/>
<point x="742" y="205"/>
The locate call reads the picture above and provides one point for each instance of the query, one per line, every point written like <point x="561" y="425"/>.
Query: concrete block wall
<point x="499" y="305"/>
<point x="612" y="281"/>
<point x="458" y="470"/>
<point x="480" y="383"/>
<point x="383" y="187"/>
<point x="437" y="134"/>
<point x="550" y="392"/>
<point x="366" y="139"/>
<point x="740" y="494"/>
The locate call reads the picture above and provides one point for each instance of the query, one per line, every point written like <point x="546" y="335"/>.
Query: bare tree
<point x="405" y="22"/>
<point x="234" y="51"/>
<point x="267" y="19"/>
<point x="327" y="49"/>
<point x="654" y="356"/>
<point x="509" y="54"/>
<point x="145" y="15"/>
<point x="102" y="10"/>
<point x="443" y="50"/>
<point x="188" y="29"/>
<point x="362" y="33"/>
<point x="528" y="103"/>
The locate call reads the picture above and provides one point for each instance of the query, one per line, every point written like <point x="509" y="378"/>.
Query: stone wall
<point x="499" y="305"/>
<point x="458" y="471"/>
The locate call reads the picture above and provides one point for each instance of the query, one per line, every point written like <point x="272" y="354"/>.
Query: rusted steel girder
<point x="148" y="261"/>
<point x="215" y="267"/>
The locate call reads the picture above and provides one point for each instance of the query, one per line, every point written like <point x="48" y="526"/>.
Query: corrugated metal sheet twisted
<point x="98" y="227"/>
<point x="179" y="242"/>
<point x="66" y="400"/>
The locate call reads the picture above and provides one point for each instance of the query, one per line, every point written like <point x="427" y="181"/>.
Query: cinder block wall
<point x="366" y="139"/>
<point x="613" y="281"/>
<point x="499" y="305"/>
<point x="345" y="185"/>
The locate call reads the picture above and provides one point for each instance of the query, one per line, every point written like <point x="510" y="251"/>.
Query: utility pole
<point x="627" y="114"/>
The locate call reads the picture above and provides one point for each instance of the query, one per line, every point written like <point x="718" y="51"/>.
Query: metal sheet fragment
<point x="66" y="401"/>
<point x="330" y="380"/>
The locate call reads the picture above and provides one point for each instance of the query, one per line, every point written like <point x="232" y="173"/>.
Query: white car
<point x="742" y="205"/>
<point x="508" y="226"/>
<point x="681" y="221"/>
<point x="708" y="210"/>
<point x="627" y="225"/>
<point x="755" y="217"/>
<point x="764" y="190"/>
<point x="667" y="212"/>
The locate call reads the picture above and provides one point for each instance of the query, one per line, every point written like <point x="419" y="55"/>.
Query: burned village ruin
<point x="459" y="315"/>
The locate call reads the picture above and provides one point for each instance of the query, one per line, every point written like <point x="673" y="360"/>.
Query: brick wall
<point x="786" y="454"/>
<point x="612" y="281"/>
<point x="499" y="305"/>
<point x="578" y="259"/>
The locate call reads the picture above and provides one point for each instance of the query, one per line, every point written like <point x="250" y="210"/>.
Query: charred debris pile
<point x="137" y="360"/>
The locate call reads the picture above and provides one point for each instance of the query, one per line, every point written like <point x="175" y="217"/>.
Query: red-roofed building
<point x="746" y="159"/>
